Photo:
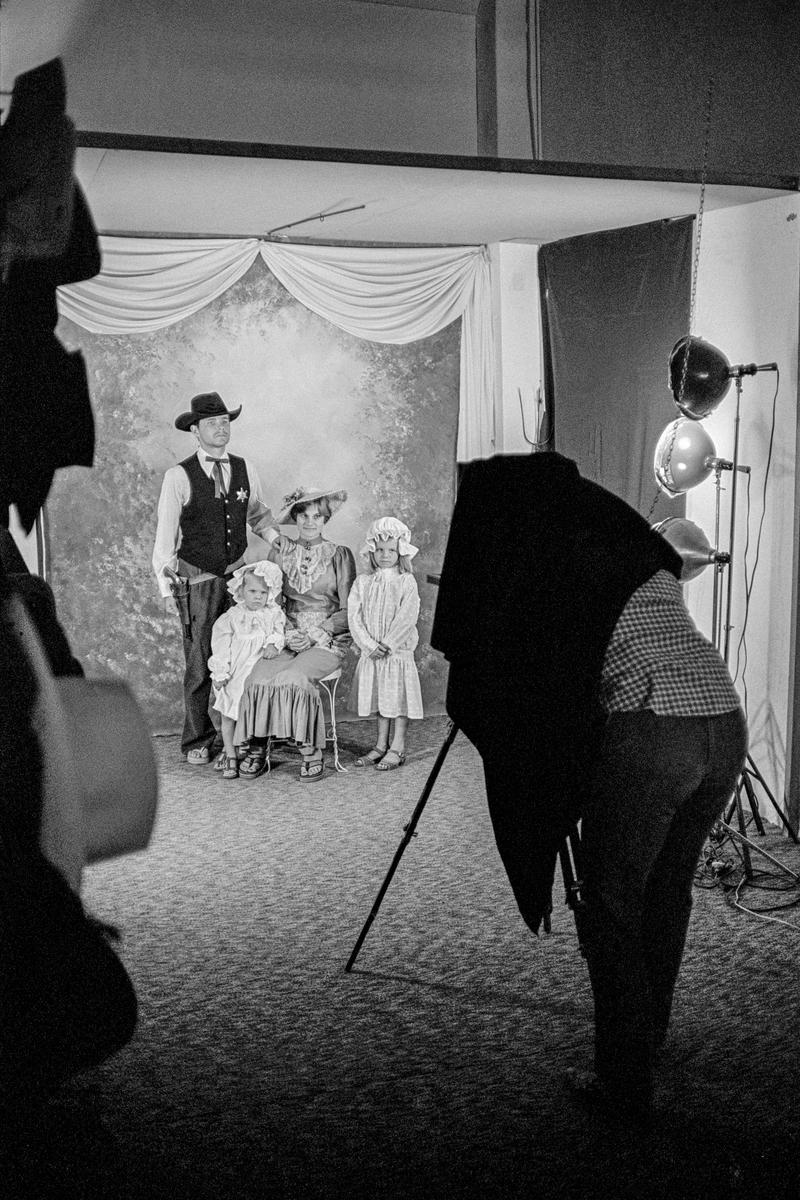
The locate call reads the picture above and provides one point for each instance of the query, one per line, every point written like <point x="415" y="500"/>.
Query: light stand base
<point x="745" y="788"/>
<point x="750" y="845"/>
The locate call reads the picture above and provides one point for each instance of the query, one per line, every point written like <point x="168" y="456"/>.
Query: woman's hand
<point x="298" y="641"/>
<point x="284" y="544"/>
<point x="380" y="651"/>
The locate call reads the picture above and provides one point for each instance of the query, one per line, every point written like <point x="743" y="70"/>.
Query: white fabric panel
<point x="383" y="295"/>
<point x="476" y="407"/>
<point x="149" y="283"/>
<point x="391" y="295"/>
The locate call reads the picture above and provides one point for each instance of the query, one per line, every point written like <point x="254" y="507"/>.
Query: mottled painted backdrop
<point x="319" y="407"/>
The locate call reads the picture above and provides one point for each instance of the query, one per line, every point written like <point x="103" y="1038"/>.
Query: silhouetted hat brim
<point x="207" y="404"/>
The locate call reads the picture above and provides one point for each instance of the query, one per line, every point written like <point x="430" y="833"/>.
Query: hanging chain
<point x="695" y="266"/>
<point x="698" y="237"/>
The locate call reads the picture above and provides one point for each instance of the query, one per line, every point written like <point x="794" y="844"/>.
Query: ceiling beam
<point x="103" y="140"/>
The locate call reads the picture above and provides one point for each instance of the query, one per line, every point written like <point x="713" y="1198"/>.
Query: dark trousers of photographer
<point x="659" y="785"/>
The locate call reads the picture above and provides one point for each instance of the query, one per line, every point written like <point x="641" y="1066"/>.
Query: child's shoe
<point x="230" y="768"/>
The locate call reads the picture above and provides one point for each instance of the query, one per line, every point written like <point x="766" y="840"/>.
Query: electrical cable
<point x="535" y="444"/>
<point x="760" y="915"/>
<point x="741" y="647"/>
<point x="716" y="870"/>
<point x="713" y="871"/>
<point x="750" y="580"/>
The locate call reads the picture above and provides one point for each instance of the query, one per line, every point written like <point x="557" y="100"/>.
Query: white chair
<point x="330" y="684"/>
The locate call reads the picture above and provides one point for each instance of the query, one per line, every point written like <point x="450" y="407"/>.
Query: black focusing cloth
<point x="539" y="565"/>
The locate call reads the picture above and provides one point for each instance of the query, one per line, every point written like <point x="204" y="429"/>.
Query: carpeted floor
<point x="261" y="1069"/>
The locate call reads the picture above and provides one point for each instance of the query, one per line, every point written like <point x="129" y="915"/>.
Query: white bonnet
<point x="386" y="527"/>
<point x="268" y="571"/>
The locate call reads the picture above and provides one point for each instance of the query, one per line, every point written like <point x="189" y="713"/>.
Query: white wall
<point x="747" y="307"/>
<point x="517" y="343"/>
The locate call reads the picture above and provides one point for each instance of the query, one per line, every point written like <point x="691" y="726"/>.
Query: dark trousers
<point x="207" y="601"/>
<point x="660" y="784"/>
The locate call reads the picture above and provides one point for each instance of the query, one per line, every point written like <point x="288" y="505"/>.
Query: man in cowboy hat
<point x="206" y="504"/>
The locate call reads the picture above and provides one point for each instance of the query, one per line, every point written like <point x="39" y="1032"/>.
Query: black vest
<point x="214" y="532"/>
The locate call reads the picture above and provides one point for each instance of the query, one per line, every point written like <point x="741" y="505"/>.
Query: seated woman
<point x="280" y="698"/>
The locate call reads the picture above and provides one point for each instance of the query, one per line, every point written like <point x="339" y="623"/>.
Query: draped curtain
<point x="394" y="296"/>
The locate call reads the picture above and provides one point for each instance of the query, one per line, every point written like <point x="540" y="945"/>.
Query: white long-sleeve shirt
<point x="175" y="493"/>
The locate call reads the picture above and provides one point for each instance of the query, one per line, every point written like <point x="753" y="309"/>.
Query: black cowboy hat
<point x="207" y="404"/>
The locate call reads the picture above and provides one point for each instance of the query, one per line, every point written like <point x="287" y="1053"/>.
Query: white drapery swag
<point x="391" y="295"/>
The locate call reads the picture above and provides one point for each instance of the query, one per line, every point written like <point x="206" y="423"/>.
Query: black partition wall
<point x="613" y="305"/>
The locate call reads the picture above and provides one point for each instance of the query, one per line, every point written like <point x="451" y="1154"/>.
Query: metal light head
<point x="690" y="542"/>
<point x="706" y="380"/>
<point x="684" y="456"/>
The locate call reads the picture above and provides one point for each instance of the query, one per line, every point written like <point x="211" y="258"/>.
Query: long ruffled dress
<point x="384" y="607"/>
<point x="238" y="639"/>
<point x="280" y="697"/>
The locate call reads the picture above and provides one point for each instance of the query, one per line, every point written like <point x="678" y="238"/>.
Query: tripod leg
<point x="754" y="771"/>
<point x="752" y="800"/>
<point x="407" y="836"/>
<point x="775" y="862"/>
<point x="745" y="848"/>
<point x="570" y="855"/>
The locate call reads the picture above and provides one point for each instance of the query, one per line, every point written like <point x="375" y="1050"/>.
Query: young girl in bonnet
<point x="383" y="608"/>
<point x="252" y="629"/>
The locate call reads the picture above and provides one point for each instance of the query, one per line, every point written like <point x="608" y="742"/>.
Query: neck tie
<point x="219" y="479"/>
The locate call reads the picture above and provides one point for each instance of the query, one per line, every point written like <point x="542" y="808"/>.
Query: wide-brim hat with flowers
<point x="388" y="527"/>
<point x="301" y="495"/>
<point x="270" y="572"/>
<point x="207" y="404"/>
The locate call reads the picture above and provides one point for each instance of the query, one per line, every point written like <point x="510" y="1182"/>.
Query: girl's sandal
<point x="371" y="757"/>
<point x="311" y="768"/>
<point x="254" y="763"/>
<point x="386" y="765"/>
<point x="230" y="768"/>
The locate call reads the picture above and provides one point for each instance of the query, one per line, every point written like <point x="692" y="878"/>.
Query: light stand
<point x="721" y="560"/>
<point x="721" y="635"/>
<point x="699" y="377"/>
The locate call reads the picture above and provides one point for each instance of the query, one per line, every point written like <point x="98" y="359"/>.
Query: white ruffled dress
<point x="238" y="639"/>
<point x="384" y="607"/>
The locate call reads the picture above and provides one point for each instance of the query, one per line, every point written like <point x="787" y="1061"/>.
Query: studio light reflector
<point x="690" y="542"/>
<point x="684" y="456"/>
<point x="708" y="377"/>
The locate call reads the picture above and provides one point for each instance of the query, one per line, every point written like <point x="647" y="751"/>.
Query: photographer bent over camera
<point x="578" y="674"/>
